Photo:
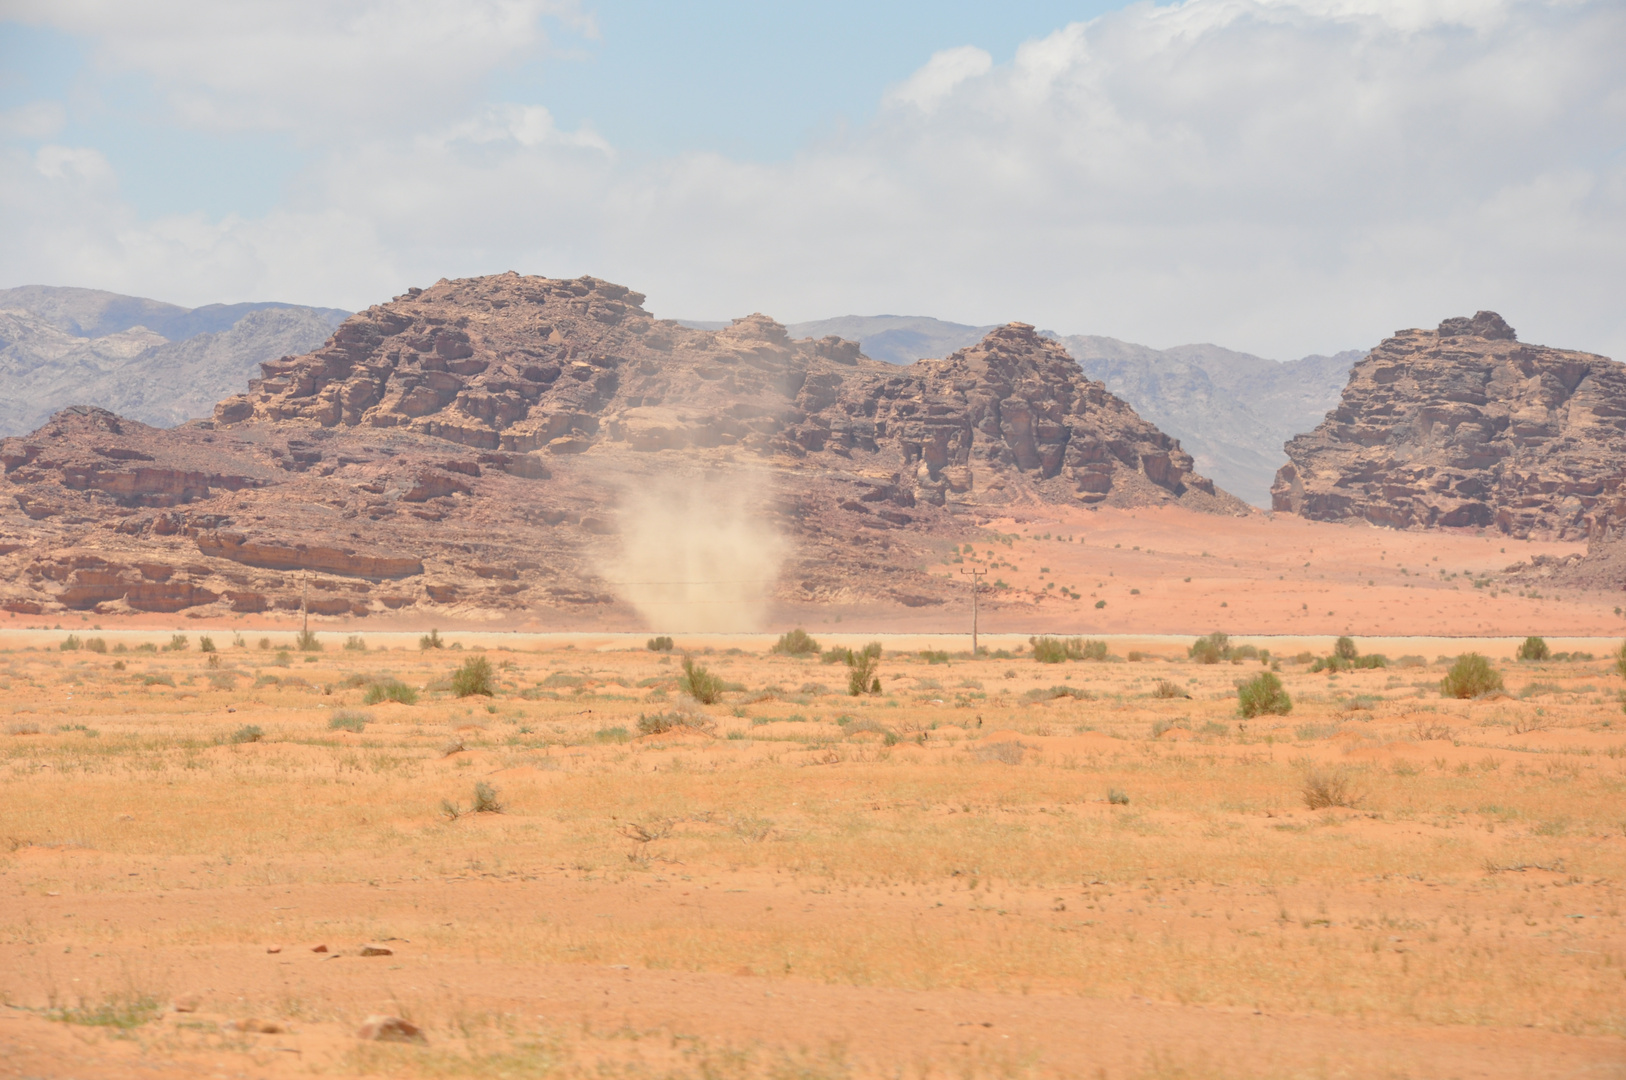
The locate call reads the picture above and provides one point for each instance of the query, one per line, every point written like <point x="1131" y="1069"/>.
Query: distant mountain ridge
<point x="155" y="362"/>
<point x="162" y="364"/>
<point x="1232" y="411"/>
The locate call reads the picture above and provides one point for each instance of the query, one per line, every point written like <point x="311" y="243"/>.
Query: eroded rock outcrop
<point x="1465" y="426"/>
<point x="463" y="448"/>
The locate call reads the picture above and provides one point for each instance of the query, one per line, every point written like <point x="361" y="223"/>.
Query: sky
<point x="1278" y="176"/>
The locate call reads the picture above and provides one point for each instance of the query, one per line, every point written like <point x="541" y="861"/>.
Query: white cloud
<point x="73" y="163"/>
<point x="35" y="120"/>
<point x="1282" y="176"/>
<point x="310" y="66"/>
<point x="926" y="88"/>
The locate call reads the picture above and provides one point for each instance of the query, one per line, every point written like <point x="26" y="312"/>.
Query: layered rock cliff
<point x="465" y="448"/>
<point x="1465" y="426"/>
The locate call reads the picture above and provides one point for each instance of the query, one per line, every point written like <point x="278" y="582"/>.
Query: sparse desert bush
<point x="354" y="643"/>
<point x="611" y="734"/>
<point x="1534" y="648"/>
<point x="659" y="723"/>
<point x="390" y="690"/>
<point x="1008" y="753"/>
<point x="70" y="643"/>
<point x="1167" y="689"/>
<point x="158" y="680"/>
<point x="1536" y="689"/>
<point x="1053" y="692"/>
<point x="347" y="721"/>
<point x="1262" y="695"/>
<point x="96" y="645"/>
<point x="795" y="643"/>
<point x="22" y="728"/>
<point x="1211" y="649"/>
<point x="1470" y="677"/>
<point x="431" y="640"/>
<point x="1117" y="797"/>
<point x="1052" y="650"/>
<point x="485" y="799"/>
<point x="206" y="643"/>
<point x="1160" y="727"/>
<point x="1136" y="656"/>
<point x="1048" y="650"/>
<point x="305" y="641"/>
<point x="473" y="678"/>
<point x="1346" y="657"/>
<point x="122" y="1012"/>
<point x="659" y="644"/>
<point x="1620" y="658"/>
<point x="862" y="665"/>
<point x="1324" y="788"/>
<point x="247" y="733"/>
<point x="699" y="683"/>
<point x="177" y="643"/>
<point x="839" y="655"/>
<point x="939" y="656"/>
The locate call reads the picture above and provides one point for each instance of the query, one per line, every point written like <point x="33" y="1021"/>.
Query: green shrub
<point x="839" y="655"/>
<point x="659" y="644"/>
<point x="390" y="690"/>
<point x="306" y="641"/>
<point x="1470" y="677"/>
<point x="431" y="640"/>
<point x="795" y="643"/>
<point x="1117" y="797"/>
<point x="347" y="721"/>
<point x="1344" y="649"/>
<point x="206" y="643"/>
<point x="862" y="665"/>
<point x="1048" y="650"/>
<point x="1534" y="648"/>
<point x="353" y="643"/>
<point x="1211" y="649"/>
<point x="473" y="678"/>
<point x="1620" y="658"/>
<point x="1167" y="689"/>
<point x="70" y="643"/>
<point x="158" y="680"/>
<point x="699" y="683"/>
<point x="1262" y="695"/>
<point x="247" y="733"/>
<point x="95" y="645"/>
<point x="177" y="643"/>
<point x="939" y="656"/>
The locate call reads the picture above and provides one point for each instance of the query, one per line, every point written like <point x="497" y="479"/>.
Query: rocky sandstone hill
<point x="465" y="450"/>
<point x="1467" y="426"/>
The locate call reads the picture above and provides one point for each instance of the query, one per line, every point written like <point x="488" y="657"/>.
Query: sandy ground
<point x="994" y="868"/>
<point x="1172" y="571"/>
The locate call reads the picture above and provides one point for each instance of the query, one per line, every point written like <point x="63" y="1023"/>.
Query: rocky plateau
<point x="462" y="452"/>
<point x="1465" y="426"/>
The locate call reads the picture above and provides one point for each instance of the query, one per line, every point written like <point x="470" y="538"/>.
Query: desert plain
<point x="223" y="863"/>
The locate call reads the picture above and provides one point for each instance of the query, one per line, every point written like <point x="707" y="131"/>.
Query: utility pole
<point x="976" y="577"/>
